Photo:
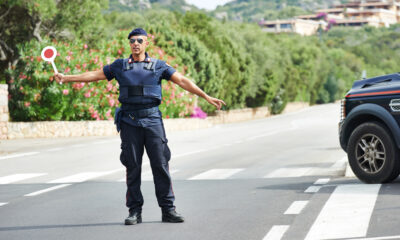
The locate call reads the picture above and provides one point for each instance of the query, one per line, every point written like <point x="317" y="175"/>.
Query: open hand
<point x="216" y="102"/>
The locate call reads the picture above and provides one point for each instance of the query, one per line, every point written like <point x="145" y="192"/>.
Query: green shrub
<point x="35" y="96"/>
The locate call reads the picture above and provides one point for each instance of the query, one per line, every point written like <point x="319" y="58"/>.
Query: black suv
<point x="369" y="128"/>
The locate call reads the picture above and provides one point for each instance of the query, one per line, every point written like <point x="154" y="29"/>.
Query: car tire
<point x="373" y="155"/>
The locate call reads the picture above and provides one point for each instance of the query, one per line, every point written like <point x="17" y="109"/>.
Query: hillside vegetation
<point x="254" y="10"/>
<point x="236" y="62"/>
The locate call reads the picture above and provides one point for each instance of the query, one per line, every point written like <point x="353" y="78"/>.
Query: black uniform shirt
<point x="163" y="71"/>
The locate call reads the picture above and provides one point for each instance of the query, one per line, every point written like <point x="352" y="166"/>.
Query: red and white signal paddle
<point x="49" y="53"/>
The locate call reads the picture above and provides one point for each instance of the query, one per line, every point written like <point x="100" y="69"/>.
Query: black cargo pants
<point x="134" y="140"/>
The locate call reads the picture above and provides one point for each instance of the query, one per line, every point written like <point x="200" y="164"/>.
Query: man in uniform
<point x="140" y="121"/>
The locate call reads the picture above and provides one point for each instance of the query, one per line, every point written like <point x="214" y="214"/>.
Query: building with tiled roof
<point x="377" y="13"/>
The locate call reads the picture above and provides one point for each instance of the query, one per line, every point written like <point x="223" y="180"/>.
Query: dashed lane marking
<point x="312" y="189"/>
<point x="322" y="181"/>
<point x="276" y="232"/>
<point x="18" y="155"/>
<point x="296" y="207"/>
<point x="215" y="174"/>
<point x="82" y="177"/>
<point x="288" y="172"/>
<point x="346" y="214"/>
<point x="47" y="190"/>
<point x="19" y="177"/>
<point x="377" y="238"/>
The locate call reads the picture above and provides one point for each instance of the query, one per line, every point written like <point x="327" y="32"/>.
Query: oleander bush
<point x="35" y="95"/>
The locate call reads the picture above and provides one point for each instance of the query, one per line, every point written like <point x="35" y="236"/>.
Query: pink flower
<point x="84" y="65"/>
<point x="85" y="46"/>
<point x="95" y="115"/>
<point x="109" y="87"/>
<point x="111" y="102"/>
<point x="119" y="52"/>
<point x="87" y="95"/>
<point x="198" y="113"/>
<point x="27" y="104"/>
<point x="82" y="84"/>
<point x="68" y="58"/>
<point x="108" y="60"/>
<point x="108" y="113"/>
<point x="67" y="70"/>
<point x="65" y="91"/>
<point x="180" y="95"/>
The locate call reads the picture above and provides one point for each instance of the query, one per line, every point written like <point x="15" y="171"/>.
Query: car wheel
<point x="372" y="154"/>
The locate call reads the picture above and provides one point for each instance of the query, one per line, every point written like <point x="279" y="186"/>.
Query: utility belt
<point x="133" y="114"/>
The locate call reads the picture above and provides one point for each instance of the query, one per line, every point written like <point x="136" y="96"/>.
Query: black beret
<point x="137" y="32"/>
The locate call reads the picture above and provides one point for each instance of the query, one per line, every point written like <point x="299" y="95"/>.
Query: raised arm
<point x="190" y="86"/>
<point x="92" y="76"/>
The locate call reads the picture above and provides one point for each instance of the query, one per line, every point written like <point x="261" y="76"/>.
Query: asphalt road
<point x="275" y="178"/>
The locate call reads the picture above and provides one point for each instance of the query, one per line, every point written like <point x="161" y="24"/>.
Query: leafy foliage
<point x="236" y="62"/>
<point x="35" y="96"/>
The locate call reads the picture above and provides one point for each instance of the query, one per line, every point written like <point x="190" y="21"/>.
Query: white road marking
<point x="288" y="172"/>
<point x="19" y="177"/>
<point x="322" y="181"/>
<point x="378" y="238"/>
<point x="216" y="174"/>
<point x="81" y="177"/>
<point x="296" y="207"/>
<point x="18" y="155"/>
<point x="47" y="190"/>
<point x="312" y="189"/>
<point x="54" y="149"/>
<point x="3" y="203"/>
<point x="347" y="212"/>
<point x="276" y="232"/>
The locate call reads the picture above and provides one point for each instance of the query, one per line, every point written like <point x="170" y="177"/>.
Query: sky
<point x="207" y="4"/>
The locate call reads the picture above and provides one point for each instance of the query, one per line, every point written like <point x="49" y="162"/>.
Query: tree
<point x="23" y="20"/>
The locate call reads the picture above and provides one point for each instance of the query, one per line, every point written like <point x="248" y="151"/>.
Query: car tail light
<point x="342" y="109"/>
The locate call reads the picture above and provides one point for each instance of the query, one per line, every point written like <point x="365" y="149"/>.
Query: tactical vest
<point x="139" y="83"/>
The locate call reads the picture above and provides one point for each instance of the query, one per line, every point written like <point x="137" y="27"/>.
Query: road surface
<point x="275" y="178"/>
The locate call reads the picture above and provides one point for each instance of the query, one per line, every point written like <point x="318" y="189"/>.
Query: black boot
<point x="133" y="218"/>
<point x="172" y="216"/>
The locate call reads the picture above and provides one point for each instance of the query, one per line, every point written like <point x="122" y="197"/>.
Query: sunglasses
<point x="133" y="40"/>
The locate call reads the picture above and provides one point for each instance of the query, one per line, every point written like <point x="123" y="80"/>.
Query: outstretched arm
<point x="190" y="86"/>
<point x="92" y="76"/>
